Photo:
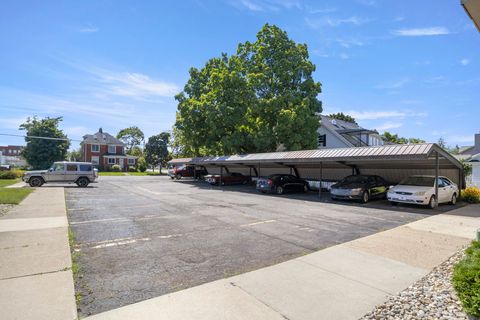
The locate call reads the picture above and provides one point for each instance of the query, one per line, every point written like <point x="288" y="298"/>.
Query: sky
<point x="407" y="67"/>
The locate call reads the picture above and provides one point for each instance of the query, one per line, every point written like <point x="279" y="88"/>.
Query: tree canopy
<point x="156" y="149"/>
<point x="394" y="138"/>
<point x="342" y="116"/>
<point x="260" y="99"/>
<point x="132" y="137"/>
<point x="41" y="153"/>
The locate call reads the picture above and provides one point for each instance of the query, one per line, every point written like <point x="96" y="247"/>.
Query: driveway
<point x="141" y="237"/>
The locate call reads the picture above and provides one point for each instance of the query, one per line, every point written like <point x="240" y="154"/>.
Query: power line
<point x="37" y="137"/>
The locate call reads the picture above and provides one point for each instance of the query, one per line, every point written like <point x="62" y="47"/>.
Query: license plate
<point x="403" y="198"/>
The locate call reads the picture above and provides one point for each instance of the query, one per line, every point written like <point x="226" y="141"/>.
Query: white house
<point x="471" y="154"/>
<point x="334" y="133"/>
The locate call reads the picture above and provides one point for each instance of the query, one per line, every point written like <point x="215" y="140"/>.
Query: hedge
<point x="466" y="280"/>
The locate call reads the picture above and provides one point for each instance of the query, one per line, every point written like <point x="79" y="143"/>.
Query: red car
<point x="227" y="178"/>
<point x="180" y="171"/>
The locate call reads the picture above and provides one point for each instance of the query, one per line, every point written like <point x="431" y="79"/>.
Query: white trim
<point x="91" y="148"/>
<point x="97" y="160"/>
<point x="111" y="158"/>
<point x="131" y="161"/>
<point x="114" y="148"/>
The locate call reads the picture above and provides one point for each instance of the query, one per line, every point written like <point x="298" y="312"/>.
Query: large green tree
<point x="342" y="116"/>
<point x="156" y="149"/>
<point x="49" y="145"/>
<point x="261" y="99"/>
<point x="394" y="138"/>
<point x="132" y="137"/>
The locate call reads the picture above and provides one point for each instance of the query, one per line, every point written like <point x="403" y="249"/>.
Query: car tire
<point x="454" y="199"/>
<point x="178" y="176"/>
<point x="305" y="188"/>
<point x="35" y="182"/>
<point x="393" y="203"/>
<point x="279" y="190"/>
<point x="83" y="182"/>
<point x="263" y="191"/>
<point x="365" y="197"/>
<point x="172" y="178"/>
<point x="432" y="204"/>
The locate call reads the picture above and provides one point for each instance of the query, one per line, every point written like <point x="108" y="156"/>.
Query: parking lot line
<point x="258" y="222"/>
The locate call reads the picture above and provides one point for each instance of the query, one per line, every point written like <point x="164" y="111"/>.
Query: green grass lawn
<point x="7" y="182"/>
<point x="111" y="174"/>
<point x="12" y="195"/>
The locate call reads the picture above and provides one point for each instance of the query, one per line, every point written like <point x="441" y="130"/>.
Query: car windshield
<point x="354" y="179"/>
<point x="418" y="181"/>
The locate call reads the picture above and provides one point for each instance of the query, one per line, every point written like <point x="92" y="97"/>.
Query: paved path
<point x="35" y="267"/>
<point x="341" y="282"/>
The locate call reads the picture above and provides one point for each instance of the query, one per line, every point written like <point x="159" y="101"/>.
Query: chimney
<point x="477" y="142"/>
<point x="100" y="130"/>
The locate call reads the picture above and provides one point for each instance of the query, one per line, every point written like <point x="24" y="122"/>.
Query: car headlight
<point x="356" y="191"/>
<point x="420" y="193"/>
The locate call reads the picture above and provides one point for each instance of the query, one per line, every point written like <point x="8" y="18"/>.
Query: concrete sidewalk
<point x="341" y="282"/>
<point x="35" y="266"/>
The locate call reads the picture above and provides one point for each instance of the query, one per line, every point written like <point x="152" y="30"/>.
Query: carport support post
<point x="194" y="172"/>
<point x="436" y="178"/>
<point x="320" y="182"/>
<point x="221" y="174"/>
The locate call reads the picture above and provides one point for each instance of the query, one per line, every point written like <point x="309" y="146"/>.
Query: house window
<point x="95" y="161"/>
<point x="111" y="160"/>
<point x="131" y="161"/>
<point x="112" y="149"/>
<point x="95" y="148"/>
<point x="322" y="140"/>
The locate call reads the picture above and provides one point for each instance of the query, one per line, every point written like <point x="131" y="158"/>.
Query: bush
<point x="142" y="164"/>
<point x="471" y="195"/>
<point x="132" y="169"/>
<point x="466" y="280"/>
<point x="13" y="174"/>
<point x="116" y="168"/>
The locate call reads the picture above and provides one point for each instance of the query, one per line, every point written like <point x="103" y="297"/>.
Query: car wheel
<point x="432" y="203"/>
<point x="263" y="191"/>
<point x="172" y="178"/>
<point x="279" y="190"/>
<point x="305" y="188"/>
<point x="365" y="197"/>
<point x="393" y="203"/>
<point x="178" y="176"/>
<point x="35" y="182"/>
<point x="454" y="199"/>
<point x="82" y="182"/>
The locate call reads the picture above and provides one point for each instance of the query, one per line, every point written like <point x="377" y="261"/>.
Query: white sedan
<point x="421" y="190"/>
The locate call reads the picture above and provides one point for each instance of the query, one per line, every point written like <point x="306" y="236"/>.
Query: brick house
<point x="104" y="150"/>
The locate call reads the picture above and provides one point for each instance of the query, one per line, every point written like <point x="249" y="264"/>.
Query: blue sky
<point x="408" y="67"/>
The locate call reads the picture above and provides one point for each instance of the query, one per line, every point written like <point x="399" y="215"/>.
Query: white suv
<point x="421" y="190"/>
<point x="81" y="173"/>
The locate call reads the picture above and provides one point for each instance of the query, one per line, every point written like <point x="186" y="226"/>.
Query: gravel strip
<point x="4" y="208"/>
<point x="432" y="297"/>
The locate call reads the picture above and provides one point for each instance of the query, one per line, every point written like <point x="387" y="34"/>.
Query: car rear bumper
<point x="265" y="188"/>
<point x="346" y="197"/>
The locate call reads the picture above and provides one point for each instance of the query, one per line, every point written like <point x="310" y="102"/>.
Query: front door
<point x="120" y="162"/>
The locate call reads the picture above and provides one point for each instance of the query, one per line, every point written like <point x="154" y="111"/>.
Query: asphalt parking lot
<point x="141" y="237"/>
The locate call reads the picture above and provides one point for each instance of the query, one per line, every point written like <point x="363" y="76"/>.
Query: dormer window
<point x="112" y="149"/>
<point x="95" y="148"/>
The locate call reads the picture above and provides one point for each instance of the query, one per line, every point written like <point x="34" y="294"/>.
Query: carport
<point x="392" y="162"/>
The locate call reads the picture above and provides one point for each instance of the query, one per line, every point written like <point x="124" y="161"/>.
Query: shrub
<point x="116" y="168"/>
<point x="10" y="174"/>
<point x="466" y="280"/>
<point x="142" y="164"/>
<point x="132" y="169"/>
<point x="471" y="195"/>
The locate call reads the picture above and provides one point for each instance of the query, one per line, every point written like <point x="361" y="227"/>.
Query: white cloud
<point x="398" y="18"/>
<point x="393" y="85"/>
<point x="419" y="32"/>
<point x="389" y="125"/>
<point x="347" y="43"/>
<point x="89" y="29"/>
<point x="321" y="10"/>
<point x="335" y="22"/>
<point x="266" y="5"/>
<point x="375" y="115"/>
<point x="367" y="2"/>
<point x="344" y="56"/>
<point x="464" y="62"/>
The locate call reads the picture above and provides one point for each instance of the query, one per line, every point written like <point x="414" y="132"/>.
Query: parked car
<point x="359" y="187"/>
<point x="5" y="167"/>
<point x="282" y="183"/>
<point x="180" y="171"/>
<point x="81" y="173"/>
<point x="421" y="190"/>
<point x="228" y="178"/>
